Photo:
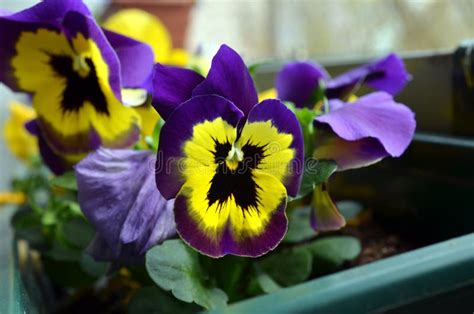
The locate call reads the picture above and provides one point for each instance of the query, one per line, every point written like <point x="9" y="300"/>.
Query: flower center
<point x="233" y="177"/>
<point x="235" y="156"/>
<point x="80" y="66"/>
<point x="82" y="83"/>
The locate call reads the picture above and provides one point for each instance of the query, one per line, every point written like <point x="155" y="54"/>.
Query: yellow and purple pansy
<point x="74" y="72"/>
<point x="354" y="133"/>
<point x="229" y="161"/>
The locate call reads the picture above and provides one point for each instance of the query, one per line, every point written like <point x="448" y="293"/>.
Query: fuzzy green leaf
<point x="66" y="181"/>
<point x="315" y="172"/>
<point x="175" y="267"/>
<point x="330" y="253"/>
<point x="299" y="227"/>
<point x="154" y="300"/>
<point x="287" y="267"/>
<point x="266" y="283"/>
<point x="77" y="232"/>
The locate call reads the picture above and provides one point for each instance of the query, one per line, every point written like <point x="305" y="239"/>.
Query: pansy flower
<point x="117" y="194"/>
<point x="74" y="72"/>
<point x="298" y="81"/>
<point x="229" y="161"/>
<point x="353" y="134"/>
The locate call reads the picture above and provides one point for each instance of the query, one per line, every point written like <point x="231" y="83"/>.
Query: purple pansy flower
<point x="229" y="161"/>
<point x="74" y="72"/>
<point x="354" y="134"/>
<point x="363" y="132"/>
<point x="297" y="81"/>
<point x="117" y="193"/>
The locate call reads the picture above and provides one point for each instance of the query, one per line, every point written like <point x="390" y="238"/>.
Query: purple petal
<point x="51" y="11"/>
<point x="55" y="162"/>
<point x="225" y="243"/>
<point x="297" y="81"/>
<point x="4" y="12"/>
<point x="229" y="78"/>
<point x="285" y="121"/>
<point x="348" y="154"/>
<point x="10" y="31"/>
<point x="136" y="59"/>
<point x="118" y="195"/>
<point x="171" y="87"/>
<point x="324" y="214"/>
<point x="179" y="128"/>
<point x="75" y="23"/>
<point x="46" y="15"/>
<point x="387" y="74"/>
<point x="379" y="126"/>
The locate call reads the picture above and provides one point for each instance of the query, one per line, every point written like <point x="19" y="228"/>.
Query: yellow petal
<point x="12" y="198"/>
<point x="352" y="98"/>
<point x="178" y="57"/>
<point x="144" y="27"/>
<point x="276" y="147"/>
<point x="21" y="144"/>
<point x="267" y="94"/>
<point x="149" y="118"/>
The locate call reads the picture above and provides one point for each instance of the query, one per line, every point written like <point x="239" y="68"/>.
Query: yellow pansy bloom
<point x="21" y="144"/>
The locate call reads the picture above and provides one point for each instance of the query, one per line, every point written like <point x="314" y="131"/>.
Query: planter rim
<point x="377" y="286"/>
<point x="13" y="296"/>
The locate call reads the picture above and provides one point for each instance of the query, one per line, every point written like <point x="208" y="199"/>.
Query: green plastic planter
<point x="13" y="296"/>
<point x="435" y="279"/>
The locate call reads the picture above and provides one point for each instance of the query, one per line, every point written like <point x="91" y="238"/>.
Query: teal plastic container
<point x="435" y="279"/>
<point x="13" y="296"/>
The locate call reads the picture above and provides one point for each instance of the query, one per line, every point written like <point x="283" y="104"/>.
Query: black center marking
<point x="237" y="182"/>
<point x="79" y="89"/>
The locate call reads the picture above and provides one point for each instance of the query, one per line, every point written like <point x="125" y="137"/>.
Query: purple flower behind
<point x="118" y="195"/>
<point x="297" y="81"/>
<point x="387" y="74"/>
<point x="355" y="134"/>
<point x="361" y="133"/>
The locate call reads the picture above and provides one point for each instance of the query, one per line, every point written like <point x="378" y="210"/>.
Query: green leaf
<point x="299" y="227"/>
<point x="66" y="181"/>
<point x="305" y="117"/>
<point x="175" y="267"/>
<point x="315" y="172"/>
<point x="27" y="225"/>
<point x="154" y="300"/>
<point x="77" y="232"/>
<point x="319" y="93"/>
<point x="66" y="273"/>
<point x="330" y="253"/>
<point x="49" y="218"/>
<point x="61" y="252"/>
<point x="349" y="209"/>
<point x="266" y="283"/>
<point x="287" y="267"/>
<point x="153" y="140"/>
<point x="91" y="267"/>
<point x="230" y="274"/>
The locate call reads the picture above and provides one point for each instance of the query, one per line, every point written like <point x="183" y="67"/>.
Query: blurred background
<point x="286" y="29"/>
